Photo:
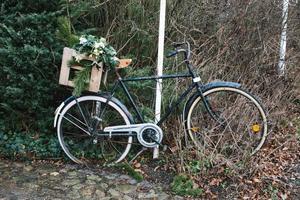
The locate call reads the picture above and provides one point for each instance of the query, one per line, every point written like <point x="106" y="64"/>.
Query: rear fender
<point x="105" y="95"/>
<point x="120" y="104"/>
<point x="60" y="107"/>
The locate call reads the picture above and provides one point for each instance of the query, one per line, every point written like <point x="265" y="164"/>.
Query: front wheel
<point x="79" y="128"/>
<point x="237" y="130"/>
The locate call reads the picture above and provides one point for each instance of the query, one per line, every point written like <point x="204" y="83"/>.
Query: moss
<point x="183" y="185"/>
<point x="131" y="172"/>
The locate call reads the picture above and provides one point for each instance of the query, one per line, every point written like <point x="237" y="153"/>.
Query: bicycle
<point x="219" y="117"/>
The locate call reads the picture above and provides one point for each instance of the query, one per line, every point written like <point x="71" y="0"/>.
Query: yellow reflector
<point x="195" y="129"/>
<point x="255" y="128"/>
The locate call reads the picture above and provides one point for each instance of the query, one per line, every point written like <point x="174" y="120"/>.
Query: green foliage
<point x="127" y="25"/>
<point x="81" y="80"/>
<point x="196" y="166"/>
<point x="29" y="54"/>
<point x="183" y="185"/>
<point x="64" y="32"/>
<point x="29" y="145"/>
<point x="97" y="48"/>
<point x="131" y="172"/>
<point x="100" y="51"/>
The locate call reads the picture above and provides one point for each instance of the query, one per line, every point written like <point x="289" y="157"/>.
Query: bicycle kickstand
<point x="139" y="153"/>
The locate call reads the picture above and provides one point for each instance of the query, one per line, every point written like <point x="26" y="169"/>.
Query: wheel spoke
<point x="233" y="138"/>
<point x="74" y="123"/>
<point x="84" y="147"/>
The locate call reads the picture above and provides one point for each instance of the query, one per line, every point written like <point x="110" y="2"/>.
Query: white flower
<point x="77" y="58"/>
<point x="99" y="44"/>
<point x="96" y="52"/>
<point x="103" y="40"/>
<point x="82" y="40"/>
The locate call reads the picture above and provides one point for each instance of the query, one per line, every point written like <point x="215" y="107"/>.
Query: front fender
<point x="220" y="84"/>
<point x="206" y="87"/>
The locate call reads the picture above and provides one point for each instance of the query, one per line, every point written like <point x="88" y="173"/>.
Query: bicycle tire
<point x="82" y="148"/>
<point x="241" y="133"/>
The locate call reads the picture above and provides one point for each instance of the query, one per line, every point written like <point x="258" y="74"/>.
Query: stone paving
<point x="43" y="180"/>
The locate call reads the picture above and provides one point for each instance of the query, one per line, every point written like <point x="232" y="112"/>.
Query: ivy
<point x="30" y="145"/>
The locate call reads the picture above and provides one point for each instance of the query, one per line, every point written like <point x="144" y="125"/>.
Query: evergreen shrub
<point x="30" y="55"/>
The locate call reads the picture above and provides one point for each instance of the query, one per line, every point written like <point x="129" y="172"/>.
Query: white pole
<point x="282" y="51"/>
<point x="160" y="60"/>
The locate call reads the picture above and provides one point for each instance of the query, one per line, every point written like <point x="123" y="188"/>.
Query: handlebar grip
<point x="172" y="53"/>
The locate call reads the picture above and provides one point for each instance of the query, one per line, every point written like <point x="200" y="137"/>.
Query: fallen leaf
<point x="215" y="181"/>
<point x="140" y="171"/>
<point x="256" y="180"/>
<point x="174" y="149"/>
<point x="137" y="165"/>
<point x="54" y="173"/>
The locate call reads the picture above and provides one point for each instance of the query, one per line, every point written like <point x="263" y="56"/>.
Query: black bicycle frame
<point x="121" y="82"/>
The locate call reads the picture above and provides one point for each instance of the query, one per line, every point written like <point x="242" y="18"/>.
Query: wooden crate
<point x="66" y="71"/>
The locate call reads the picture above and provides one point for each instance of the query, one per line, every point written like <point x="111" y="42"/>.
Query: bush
<point x="29" y="54"/>
<point x="18" y="145"/>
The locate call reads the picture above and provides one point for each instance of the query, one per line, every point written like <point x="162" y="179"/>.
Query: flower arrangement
<point x="99" y="51"/>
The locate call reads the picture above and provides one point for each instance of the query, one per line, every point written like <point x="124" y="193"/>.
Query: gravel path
<point x="43" y="180"/>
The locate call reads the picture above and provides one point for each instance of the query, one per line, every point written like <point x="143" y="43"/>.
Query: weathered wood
<point x="64" y="78"/>
<point x="65" y="70"/>
<point x="124" y="63"/>
<point x="95" y="79"/>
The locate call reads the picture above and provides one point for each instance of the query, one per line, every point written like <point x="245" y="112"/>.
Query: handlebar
<point x="186" y="50"/>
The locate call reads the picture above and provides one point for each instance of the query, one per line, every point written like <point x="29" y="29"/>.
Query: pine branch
<point x="81" y="80"/>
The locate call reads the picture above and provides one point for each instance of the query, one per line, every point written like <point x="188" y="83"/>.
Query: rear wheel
<point x="238" y="130"/>
<point x="91" y="114"/>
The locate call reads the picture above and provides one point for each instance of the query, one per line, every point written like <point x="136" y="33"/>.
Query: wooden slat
<point x="70" y="83"/>
<point x="124" y="63"/>
<point x="79" y="68"/>
<point x="95" y="80"/>
<point x="96" y="74"/>
<point x="65" y="70"/>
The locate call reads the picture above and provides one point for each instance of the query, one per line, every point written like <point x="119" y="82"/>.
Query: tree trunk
<point x="282" y="52"/>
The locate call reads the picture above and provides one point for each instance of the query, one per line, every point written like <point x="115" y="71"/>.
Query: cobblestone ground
<point x="25" y="180"/>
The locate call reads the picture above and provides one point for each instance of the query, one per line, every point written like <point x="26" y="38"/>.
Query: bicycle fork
<point x="208" y="107"/>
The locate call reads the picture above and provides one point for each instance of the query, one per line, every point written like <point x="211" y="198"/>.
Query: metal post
<point x="160" y="58"/>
